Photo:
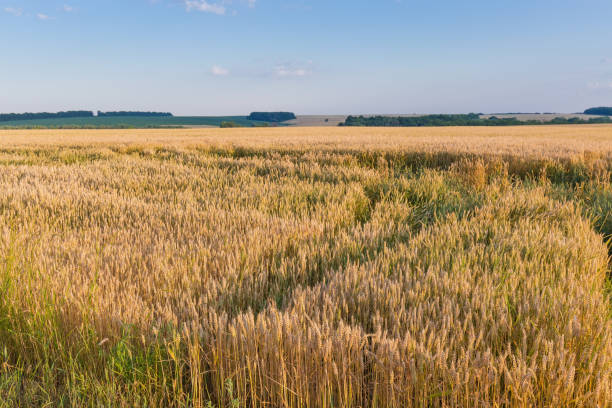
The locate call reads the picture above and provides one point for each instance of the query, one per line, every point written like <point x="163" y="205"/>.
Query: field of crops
<point x="130" y="122"/>
<point x="301" y="267"/>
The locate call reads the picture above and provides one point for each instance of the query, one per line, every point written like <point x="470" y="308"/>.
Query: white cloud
<point x="292" y="70"/>
<point x="14" y="11"/>
<point x="283" y="71"/>
<point x="205" y="6"/>
<point x="68" y="9"/>
<point x="220" y="7"/>
<point x="219" y="71"/>
<point x="42" y="16"/>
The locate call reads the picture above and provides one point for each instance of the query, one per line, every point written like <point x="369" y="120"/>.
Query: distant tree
<point x="134" y="113"/>
<point x="5" y="117"/>
<point x="271" y="116"/>
<point x="602" y="110"/>
<point x="230" y="125"/>
<point x="471" y="119"/>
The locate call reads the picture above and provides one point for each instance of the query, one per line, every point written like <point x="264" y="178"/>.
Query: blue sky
<point x="218" y="57"/>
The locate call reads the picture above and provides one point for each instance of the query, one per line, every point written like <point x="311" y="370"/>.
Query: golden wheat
<point x="306" y="268"/>
<point x="548" y="141"/>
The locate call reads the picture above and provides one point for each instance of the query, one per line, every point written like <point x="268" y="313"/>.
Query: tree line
<point x="602" y="110"/>
<point x="134" y="113"/>
<point x="271" y="116"/>
<point x="471" y="119"/>
<point x="6" y="117"/>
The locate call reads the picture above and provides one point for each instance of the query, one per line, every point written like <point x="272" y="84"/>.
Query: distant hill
<point x="271" y="116"/>
<point x="122" y="122"/>
<point x="602" y="110"/>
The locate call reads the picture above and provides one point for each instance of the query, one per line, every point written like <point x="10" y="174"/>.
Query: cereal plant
<point x="455" y="267"/>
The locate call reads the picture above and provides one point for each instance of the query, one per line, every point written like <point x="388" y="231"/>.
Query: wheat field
<point x="300" y="267"/>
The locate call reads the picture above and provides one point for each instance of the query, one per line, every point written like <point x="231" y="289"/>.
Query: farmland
<point x="301" y="267"/>
<point x="130" y="122"/>
<point x="144" y="122"/>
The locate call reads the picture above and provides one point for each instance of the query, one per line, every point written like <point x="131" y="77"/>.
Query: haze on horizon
<point x="218" y="57"/>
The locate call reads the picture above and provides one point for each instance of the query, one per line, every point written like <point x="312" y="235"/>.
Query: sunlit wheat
<point x="306" y="268"/>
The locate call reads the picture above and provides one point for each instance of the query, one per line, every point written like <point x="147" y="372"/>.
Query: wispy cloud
<point x="292" y="70"/>
<point x="283" y="71"/>
<point x="600" y="85"/>
<point x="14" y="11"/>
<point x="68" y="9"/>
<point x="220" y="7"/>
<point x="219" y="71"/>
<point x="42" y="16"/>
<point x="205" y="6"/>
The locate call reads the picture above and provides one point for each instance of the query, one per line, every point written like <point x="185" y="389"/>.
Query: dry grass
<point x="306" y="268"/>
